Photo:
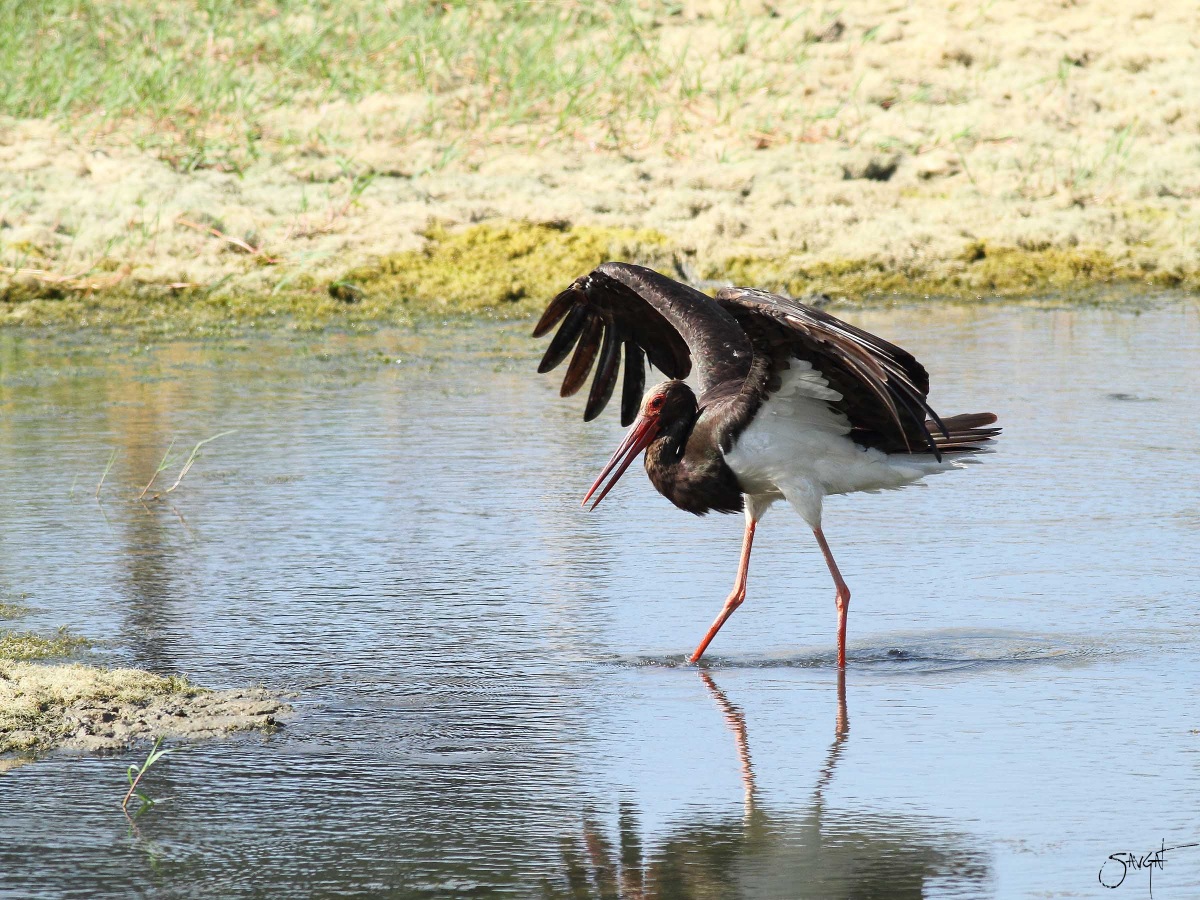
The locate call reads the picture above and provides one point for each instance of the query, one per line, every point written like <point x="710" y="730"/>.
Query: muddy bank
<point x="46" y="703"/>
<point x="883" y="148"/>
<point x="88" y="708"/>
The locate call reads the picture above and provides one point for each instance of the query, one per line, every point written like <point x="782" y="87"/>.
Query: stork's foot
<point x="736" y="599"/>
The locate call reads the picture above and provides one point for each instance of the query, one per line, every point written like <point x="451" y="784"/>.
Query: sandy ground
<point x="923" y="146"/>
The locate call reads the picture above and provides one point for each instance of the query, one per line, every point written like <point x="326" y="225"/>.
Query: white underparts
<point x="798" y="448"/>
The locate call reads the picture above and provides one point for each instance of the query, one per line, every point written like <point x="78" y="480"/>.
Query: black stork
<point x="793" y="404"/>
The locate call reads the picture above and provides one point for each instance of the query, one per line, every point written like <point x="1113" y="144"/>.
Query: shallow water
<point x="490" y="695"/>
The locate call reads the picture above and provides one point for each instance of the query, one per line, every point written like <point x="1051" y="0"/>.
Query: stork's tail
<point x="966" y="433"/>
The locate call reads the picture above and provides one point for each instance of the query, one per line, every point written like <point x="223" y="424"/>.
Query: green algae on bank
<point x="489" y="267"/>
<point x="980" y="270"/>
<point x="511" y="270"/>
<point x="507" y="270"/>
<point x="521" y="265"/>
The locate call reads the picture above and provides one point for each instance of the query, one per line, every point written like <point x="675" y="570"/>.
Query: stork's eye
<point x="656" y="404"/>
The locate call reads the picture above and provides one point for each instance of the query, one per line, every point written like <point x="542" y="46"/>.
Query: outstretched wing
<point x="883" y="388"/>
<point x="621" y="306"/>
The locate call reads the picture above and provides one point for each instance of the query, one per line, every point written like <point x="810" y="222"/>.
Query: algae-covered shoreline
<point x="510" y="271"/>
<point x="474" y="158"/>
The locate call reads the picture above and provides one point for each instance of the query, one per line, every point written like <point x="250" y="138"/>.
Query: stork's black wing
<point x="883" y="387"/>
<point x="650" y="316"/>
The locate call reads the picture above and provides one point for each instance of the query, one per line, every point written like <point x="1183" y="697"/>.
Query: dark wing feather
<point x="883" y="387"/>
<point x="585" y="354"/>
<point x="634" y="384"/>
<point x="966" y="433"/>
<point x="559" y="307"/>
<point x="562" y="342"/>
<point x="606" y="373"/>
<point x="656" y="318"/>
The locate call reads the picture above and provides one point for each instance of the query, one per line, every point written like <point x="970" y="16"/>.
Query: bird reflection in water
<point x="817" y="851"/>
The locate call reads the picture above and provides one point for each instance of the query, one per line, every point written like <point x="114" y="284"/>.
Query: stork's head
<point x="663" y="406"/>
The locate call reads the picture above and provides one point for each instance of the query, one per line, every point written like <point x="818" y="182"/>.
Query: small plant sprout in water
<point x="167" y="461"/>
<point x="163" y="465"/>
<point x="108" y="468"/>
<point x="137" y="773"/>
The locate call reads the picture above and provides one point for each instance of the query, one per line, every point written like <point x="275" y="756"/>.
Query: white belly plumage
<point x="798" y="448"/>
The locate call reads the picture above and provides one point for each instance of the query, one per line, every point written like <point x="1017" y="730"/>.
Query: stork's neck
<point x="685" y="465"/>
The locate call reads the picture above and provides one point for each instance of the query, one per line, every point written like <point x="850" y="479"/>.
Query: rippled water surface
<point x="490" y="693"/>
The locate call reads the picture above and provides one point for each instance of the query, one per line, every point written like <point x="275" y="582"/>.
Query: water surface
<point x="490" y="695"/>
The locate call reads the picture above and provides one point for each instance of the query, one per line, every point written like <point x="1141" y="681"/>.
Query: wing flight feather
<point x="655" y="319"/>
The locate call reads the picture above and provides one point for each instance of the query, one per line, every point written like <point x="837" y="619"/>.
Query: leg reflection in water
<point x="736" y="720"/>
<point x="810" y="848"/>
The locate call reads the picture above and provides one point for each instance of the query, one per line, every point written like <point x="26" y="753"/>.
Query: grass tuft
<point x="15" y="645"/>
<point x="12" y="610"/>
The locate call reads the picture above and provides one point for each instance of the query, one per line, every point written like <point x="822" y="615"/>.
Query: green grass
<point x="196" y="76"/>
<point x="198" y="79"/>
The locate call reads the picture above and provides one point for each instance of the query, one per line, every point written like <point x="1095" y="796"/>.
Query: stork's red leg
<point x="842" y="599"/>
<point x="739" y="592"/>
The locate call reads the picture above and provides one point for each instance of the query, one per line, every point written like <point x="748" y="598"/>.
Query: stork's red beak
<point x="643" y="432"/>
